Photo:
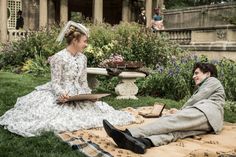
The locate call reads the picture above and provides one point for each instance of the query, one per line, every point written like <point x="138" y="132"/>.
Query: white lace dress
<point x="38" y="111"/>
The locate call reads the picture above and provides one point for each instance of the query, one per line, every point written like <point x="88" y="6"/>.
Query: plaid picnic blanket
<point x="87" y="147"/>
<point x="93" y="145"/>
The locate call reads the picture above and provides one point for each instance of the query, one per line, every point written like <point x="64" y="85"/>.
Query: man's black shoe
<point x="110" y="128"/>
<point x="124" y="140"/>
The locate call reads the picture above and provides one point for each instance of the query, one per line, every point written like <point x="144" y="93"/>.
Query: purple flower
<point x="171" y="73"/>
<point x="159" y="68"/>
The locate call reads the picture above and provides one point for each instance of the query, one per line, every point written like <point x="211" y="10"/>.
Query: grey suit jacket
<point x="210" y="99"/>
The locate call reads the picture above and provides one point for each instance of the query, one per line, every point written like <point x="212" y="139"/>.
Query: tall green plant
<point x="227" y="75"/>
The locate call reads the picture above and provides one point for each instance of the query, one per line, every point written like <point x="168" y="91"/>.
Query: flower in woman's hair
<point x="70" y="30"/>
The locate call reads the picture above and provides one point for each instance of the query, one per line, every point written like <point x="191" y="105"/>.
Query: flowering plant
<point x="117" y="61"/>
<point x="113" y="59"/>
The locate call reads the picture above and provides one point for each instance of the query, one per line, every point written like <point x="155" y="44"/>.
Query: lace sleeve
<point x="83" y="78"/>
<point x="56" y="64"/>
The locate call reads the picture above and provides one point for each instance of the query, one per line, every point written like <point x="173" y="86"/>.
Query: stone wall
<point x="201" y="16"/>
<point x="215" y="42"/>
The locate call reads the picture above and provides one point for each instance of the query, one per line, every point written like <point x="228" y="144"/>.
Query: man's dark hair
<point x="19" y="20"/>
<point x="142" y="9"/>
<point x="19" y="12"/>
<point x="206" y="67"/>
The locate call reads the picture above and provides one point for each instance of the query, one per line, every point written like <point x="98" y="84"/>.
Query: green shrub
<point x="100" y="35"/>
<point x="107" y="84"/>
<point x="36" y="66"/>
<point x="230" y="106"/>
<point x="172" y="66"/>
<point x="132" y="42"/>
<point x="174" y="81"/>
<point x="42" y="43"/>
<point x="127" y="39"/>
<point x="227" y="75"/>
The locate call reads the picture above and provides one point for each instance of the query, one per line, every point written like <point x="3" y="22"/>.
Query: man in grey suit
<point x="201" y="114"/>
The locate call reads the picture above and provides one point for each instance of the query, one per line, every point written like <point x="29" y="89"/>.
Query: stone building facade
<point x="42" y="13"/>
<point x="200" y="16"/>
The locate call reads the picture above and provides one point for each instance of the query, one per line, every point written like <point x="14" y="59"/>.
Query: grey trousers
<point x="169" y="128"/>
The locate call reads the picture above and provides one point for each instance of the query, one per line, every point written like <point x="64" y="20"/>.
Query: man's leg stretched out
<point x="162" y="131"/>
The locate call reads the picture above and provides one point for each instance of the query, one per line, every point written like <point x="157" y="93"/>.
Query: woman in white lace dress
<point x="39" y="110"/>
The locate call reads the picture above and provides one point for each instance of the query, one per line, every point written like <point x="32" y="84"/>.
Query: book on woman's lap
<point x="83" y="97"/>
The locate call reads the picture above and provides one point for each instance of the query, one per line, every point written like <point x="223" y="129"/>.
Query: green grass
<point x="13" y="86"/>
<point x="12" y="145"/>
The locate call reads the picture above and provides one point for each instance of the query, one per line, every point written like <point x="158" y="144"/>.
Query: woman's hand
<point x="94" y="100"/>
<point x="173" y="110"/>
<point x="63" y="98"/>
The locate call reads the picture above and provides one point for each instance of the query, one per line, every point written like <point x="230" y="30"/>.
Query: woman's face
<point x="81" y="43"/>
<point x="199" y="76"/>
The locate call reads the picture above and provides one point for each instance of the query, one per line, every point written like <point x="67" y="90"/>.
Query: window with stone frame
<point x="13" y="6"/>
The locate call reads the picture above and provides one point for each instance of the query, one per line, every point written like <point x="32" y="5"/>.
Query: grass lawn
<point x="48" y="145"/>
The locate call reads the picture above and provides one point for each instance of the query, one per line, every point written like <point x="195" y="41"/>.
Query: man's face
<point x="199" y="76"/>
